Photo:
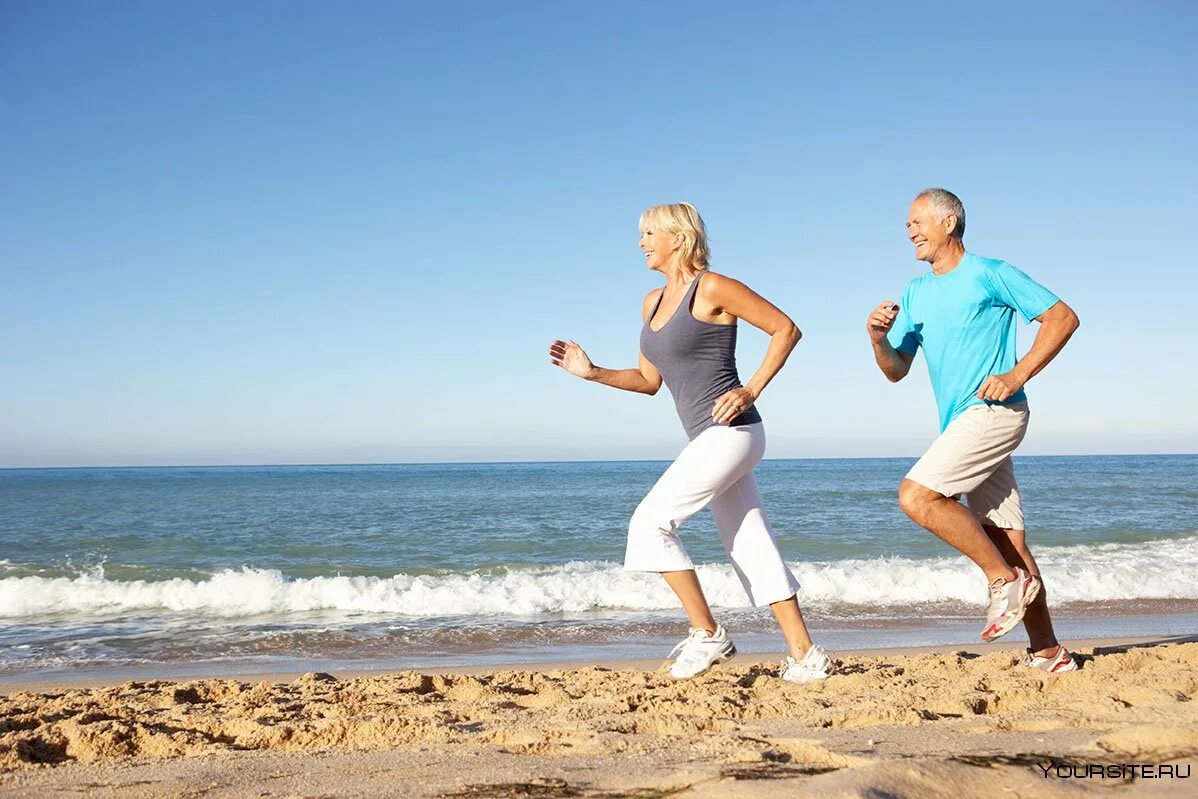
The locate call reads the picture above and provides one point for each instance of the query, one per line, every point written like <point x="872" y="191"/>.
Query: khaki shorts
<point x="972" y="457"/>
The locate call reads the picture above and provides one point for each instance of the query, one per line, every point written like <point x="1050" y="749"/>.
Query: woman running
<point x="689" y="340"/>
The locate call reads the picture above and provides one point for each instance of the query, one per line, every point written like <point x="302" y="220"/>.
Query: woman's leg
<point x="751" y="546"/>
<point x="686" y="585"/>
<point x="717" y="458"/>
<point x="794" y="629"/>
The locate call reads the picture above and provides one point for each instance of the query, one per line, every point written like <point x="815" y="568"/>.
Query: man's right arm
<point x="894" y="363"/>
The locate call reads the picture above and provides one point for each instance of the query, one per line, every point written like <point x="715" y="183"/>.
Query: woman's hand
<point x="732" y="404"/>
<point x="571" y="357"/>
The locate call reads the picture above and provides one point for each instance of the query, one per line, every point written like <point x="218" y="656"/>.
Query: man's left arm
<point x="1057" y="324"/>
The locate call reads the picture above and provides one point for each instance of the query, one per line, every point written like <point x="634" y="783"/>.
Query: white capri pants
<point x="716" y="470"/>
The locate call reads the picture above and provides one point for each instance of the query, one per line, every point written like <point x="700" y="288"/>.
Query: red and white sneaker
<point x="1008" y="603"/>
<point x="1059" y="663"/>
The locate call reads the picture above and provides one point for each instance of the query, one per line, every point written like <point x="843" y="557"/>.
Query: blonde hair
<point x="681" y="219"/>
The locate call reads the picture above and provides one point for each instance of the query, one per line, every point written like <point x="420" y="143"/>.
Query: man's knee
<point x="915" y="499"/>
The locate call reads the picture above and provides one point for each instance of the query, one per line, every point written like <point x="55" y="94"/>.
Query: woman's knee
<point x="640" y="518"/>
<point x="647" y="523"/>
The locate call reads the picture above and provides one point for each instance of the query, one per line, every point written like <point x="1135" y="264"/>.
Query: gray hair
<point x="943" y="203"/>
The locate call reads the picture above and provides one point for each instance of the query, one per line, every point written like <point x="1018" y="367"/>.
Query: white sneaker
<point x="699" y="651"/>
<point x="815" y="665"/>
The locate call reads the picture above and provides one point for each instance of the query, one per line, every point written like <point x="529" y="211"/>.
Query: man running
<point x="962" y="313"/>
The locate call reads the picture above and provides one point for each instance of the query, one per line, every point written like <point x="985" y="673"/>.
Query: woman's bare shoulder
<point x="716" y="284"/>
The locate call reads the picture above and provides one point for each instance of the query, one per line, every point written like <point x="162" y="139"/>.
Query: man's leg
<point x="956" y="525"/>
<point x="966" y="455"/>
<point x="1000" y="512"/>
<point x="1013" y="546"/>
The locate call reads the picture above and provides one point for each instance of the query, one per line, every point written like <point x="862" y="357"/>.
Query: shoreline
<point x="117" y="677"/>
<point x="755" y="647"/>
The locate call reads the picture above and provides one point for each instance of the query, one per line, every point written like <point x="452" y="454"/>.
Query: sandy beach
<point x="961" y="722"/>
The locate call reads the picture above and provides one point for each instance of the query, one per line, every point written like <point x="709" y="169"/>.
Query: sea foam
<point x="1159" y="569"/>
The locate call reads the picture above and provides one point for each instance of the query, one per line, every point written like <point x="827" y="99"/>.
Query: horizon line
<point x="531" y="461"/>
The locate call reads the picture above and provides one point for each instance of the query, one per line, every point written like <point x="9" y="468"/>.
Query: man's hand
<point x="881" y="320"/>
<point x="732" y="404"/>
<point x="999" y="388"/>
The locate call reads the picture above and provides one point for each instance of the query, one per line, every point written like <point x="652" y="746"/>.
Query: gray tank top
<point x="697" y="361"/>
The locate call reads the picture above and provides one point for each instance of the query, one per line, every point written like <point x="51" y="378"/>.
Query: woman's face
<point x="659" y="247"/>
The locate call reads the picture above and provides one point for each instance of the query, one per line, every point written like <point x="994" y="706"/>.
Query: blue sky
<point x="292" y="232"/>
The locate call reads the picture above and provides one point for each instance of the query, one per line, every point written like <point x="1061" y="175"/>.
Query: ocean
<point x="195" y="570"/>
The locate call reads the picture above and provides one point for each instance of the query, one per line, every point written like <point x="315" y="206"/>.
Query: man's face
<point x="929" y="236"/>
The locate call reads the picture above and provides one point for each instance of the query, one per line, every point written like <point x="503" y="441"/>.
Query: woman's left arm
<point x="729" y="296"/>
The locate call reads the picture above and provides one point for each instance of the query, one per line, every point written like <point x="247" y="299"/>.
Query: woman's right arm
<point x="644" y="379"/>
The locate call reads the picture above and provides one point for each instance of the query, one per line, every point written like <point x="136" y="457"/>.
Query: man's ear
<point x="953" y="223"/>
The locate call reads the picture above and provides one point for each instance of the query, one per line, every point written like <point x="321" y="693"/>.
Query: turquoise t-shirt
<point x="965" y="322"/>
